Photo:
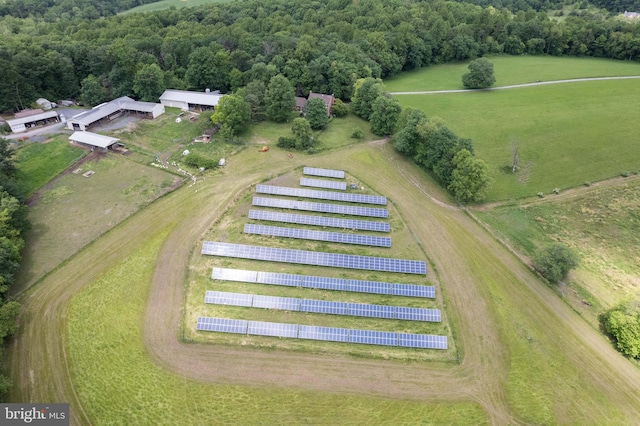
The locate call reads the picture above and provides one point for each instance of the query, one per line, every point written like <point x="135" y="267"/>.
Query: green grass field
<point x="115" y="380"/>
<point x="511" y="70"/>
<point x="599" y="223"/>
<point x="567" y="133"/>
<point x="166" y="4"/>
<point x="38" y="163"/>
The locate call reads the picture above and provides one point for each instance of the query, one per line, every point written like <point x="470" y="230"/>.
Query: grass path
<point x="526" y="357"/>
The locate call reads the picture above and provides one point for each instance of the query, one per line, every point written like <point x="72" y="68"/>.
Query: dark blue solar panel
<point x="371" y="337"/>
<point x="323" y="333"/>
<point x="275" y="329"/>
<point x="272" y="302"/>
<point x="314" y="171"/>
<point x="234" y="275"/>
<point x="373" y="311"/>
<point x="223" y="325"/>
<point x="307" y="234"/>
<point x="424" y="341"/>
<point x="323" y="307"/>
<point x="417" y="314"/>
<point x="320" y="207"/>
<point x="330" y="222"/>
<point x="290" y="280"/>
<point x="325" y="283"/>
<point x="314" y="258"/>
<point x="320" y="183"/>
<point x="232" y="299"/>
<point x="322" y="195"/>
<point x="368" y="287"/>
<point x="413" y="290"/>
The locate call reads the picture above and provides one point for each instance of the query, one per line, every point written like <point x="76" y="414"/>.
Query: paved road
<point x="515" y="86"/>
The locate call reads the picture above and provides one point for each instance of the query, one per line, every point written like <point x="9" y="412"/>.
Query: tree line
<point x="318" y="46"/>
<point x="13" y="227"/>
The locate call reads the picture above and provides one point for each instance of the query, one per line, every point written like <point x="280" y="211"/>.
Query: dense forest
<point x="13" y="226"/>
<point x="52" y="10"/>
<point x="319" y="46"/>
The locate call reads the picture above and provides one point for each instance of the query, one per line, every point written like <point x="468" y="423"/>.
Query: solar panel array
<point x="326" y="283"/>
<point x="335" y="260"/>
<point x="322" y="195"/>
<point x="330" y="222"/>
<point x="321" y="183"/>
<point x="313" y="171"/>
<point x="307" y="234"/>
<point x="322" y="306"/>
<point x="320" y="207"/>
<point x="367" y="337"/>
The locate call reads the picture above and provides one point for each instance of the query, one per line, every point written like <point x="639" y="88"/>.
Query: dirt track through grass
<point x="526" y="357"/>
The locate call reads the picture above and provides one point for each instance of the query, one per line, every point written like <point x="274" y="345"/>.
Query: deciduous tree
<point x="470" y="179"/>
<point x="384" y="115"/>
<point x="554" y="262"/>
<point x="480" y="75"/>
<point x="366" y="91"/>
<point x="279" y="99"/>
<point x="316" y="113"/>
<point x="232" y="114"/>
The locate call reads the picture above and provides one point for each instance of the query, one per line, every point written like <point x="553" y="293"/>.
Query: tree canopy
<point x="316" y="113"/>
<point x="554" y="262"/>
<point x="232" y="114"/>
<point x="279" y="98"/>
<point x="480" y="75"/>
<point x="623" y="323"/>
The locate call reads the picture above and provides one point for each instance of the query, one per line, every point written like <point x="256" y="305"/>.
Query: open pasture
<point x="567" y="133"/>
<point x="599" y="222"/>
<point x="511" y="70"/>
<point x="166" y="4"/>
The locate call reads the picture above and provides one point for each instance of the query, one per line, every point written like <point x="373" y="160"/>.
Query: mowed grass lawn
<point x="116" y="381"/>
<point x="511" y="70"/>
<point x="567" y="133"/>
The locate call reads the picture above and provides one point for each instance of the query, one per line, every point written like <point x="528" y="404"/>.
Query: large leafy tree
<point x="92" y="92"/>
<point x="366" y="91"/>
<point x="316" y="114"/>
<point x="254" y="94"/>
<point x="233" y="115"/>
<point x="148" y="84"/>
<point x="470" y="179"/>
<point x="554" y="262"/>
<point x="384" y="115"/>
<point x="623" y="323"/>
<point x="279" y="99"/>
<point x="480" y="75"/>
<point x="302" y="132"/>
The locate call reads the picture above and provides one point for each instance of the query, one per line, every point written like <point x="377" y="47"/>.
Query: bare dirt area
<point x="468" y="261"/>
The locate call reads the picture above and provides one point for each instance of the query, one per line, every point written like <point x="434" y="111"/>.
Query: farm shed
<point x="22" y="124"/>
<point x="191" y="101"/>
<point x="109" y="111"/>
<point x="94" y="140"/>
<point x="45" y="104"/>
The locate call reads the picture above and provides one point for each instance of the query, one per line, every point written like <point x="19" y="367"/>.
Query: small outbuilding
<point x="191" y="101"/>
<point x="94" y="140"/>
<point x="28" y="122"/>
<point x="45" y="104"/>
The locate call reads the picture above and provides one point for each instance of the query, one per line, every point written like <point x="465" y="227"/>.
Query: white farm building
<point x="116" y="108"/>
<point x="24" y="123"/>
<point x="190" y="101"/>
<point x="94" y="140"/>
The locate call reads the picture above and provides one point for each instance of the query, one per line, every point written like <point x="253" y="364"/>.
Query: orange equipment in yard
<point x="264" y="149"/>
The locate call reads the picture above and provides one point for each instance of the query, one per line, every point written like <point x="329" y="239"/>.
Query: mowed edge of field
<point x="484" y="375"/>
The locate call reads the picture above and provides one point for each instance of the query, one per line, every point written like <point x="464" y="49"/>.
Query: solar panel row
<point x="326" y="283"/>
<point x="313" y="171"/>
<point x="335" y="260"/>
<point x="369" y="337"/>
<point x="322" y="195"/>
<point x="320" y="207"/>
<point x="321" y="183"/>
<point x="307" y="234"/>
<point x="330" y="222"/>
<point x="322" y="306"/>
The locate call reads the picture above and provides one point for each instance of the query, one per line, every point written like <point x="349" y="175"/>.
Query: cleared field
<point x="599" y="222"/>
<point x="567" y="134"/>
<point x="38" y="163"/>
<point x="525" y="356"/>
<point x="511" y="70"/>
<point x="75" y="210"/>
<point x="166" y="4"/>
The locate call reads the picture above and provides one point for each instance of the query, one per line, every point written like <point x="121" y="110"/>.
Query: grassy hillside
<point x="166" y="4"/>
<point x="567" y="133"/>
<point x="512" y="70"/>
